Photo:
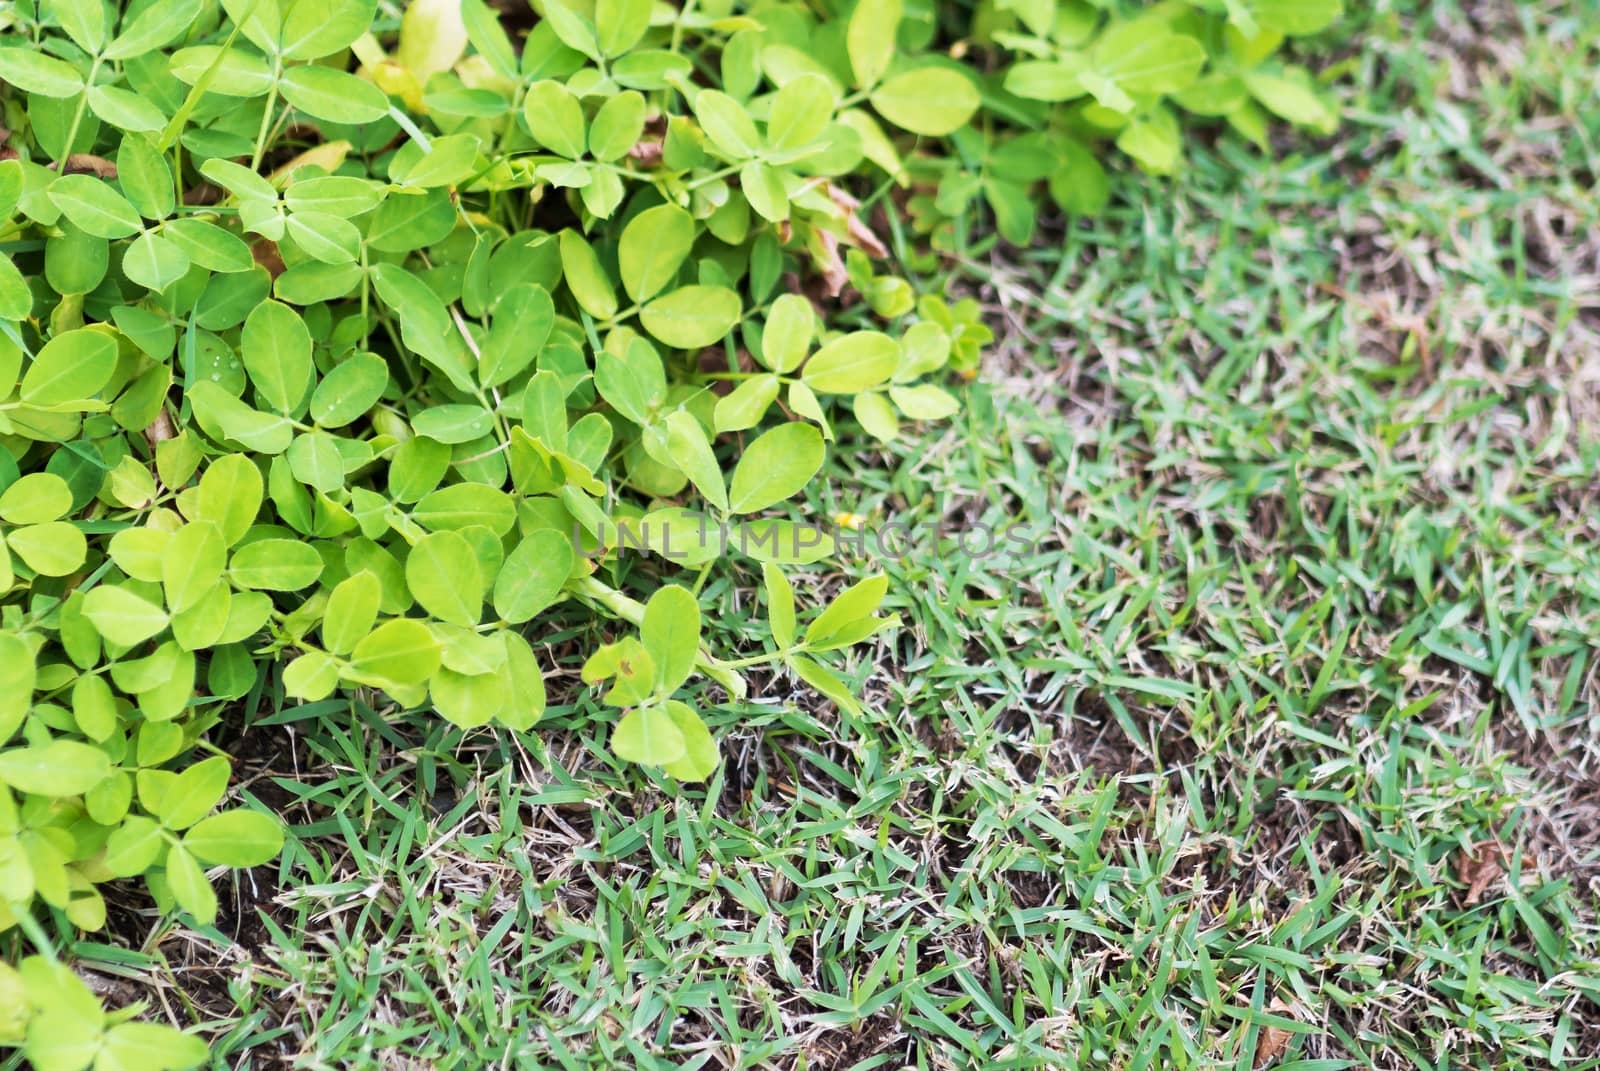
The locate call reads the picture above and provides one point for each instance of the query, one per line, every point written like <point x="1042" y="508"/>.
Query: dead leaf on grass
<point x="1273" y="1041"/>
<point x="864" y="237"/>
<point x="1480" y="868"/>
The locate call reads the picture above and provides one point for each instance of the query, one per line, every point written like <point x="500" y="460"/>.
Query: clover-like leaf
<point x="776" y="466"/>
<point x="443" y="574"/>
<point x="692" y="317"/>
<point x="71" y="366"/>
<point x="929" y="100"/>
<point x="649" y="735"/>
<point x="855" y="362"/>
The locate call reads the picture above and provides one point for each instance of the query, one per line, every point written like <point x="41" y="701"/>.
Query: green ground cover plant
<point x="345" y="348"/>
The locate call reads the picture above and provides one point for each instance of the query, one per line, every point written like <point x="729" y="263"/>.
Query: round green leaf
<point x="692" y="317"/>
<point x="747" y="404"/>
<point x="84" y="21"/>
<point x="18" y="673"/>
<point x="276" y="349"/>
<point x="53" y="549"/>
<point x="869" y="39"/>
<point x="727" y="124"/>
<point x="856" y="362"/>
<point x="145" y="178"/>
<point x="208" y="245"/>
<point x="35" y="498"/>
<point x="400" y="652"/>
<point x="350" y="390"/>
<point x="275" y="565"/>
<point x="791" y="325"/>
<point x="230" y="494"/>
<point x="155" y="25"/>
<point x="335" y="195"/>
<point x="313" y="30"/>
<point x="352" y="609"/>
<point x="700" y="756"/>
<point x="72" y="366"/>
<point x="16" y="300"/>
<point x="671" y="633"/>
<point x="526" y="703"/>
<point x="333" y="95"/>
<point x="617" y="126"/>
<point x="34" y="72"/>
<point x="776" y="466"/>
<point x="95" y="206"/>
<point x="311" y="676"/>
<point x="468" y="699"/>
<point x="325" y="237"/>
<point x="589" y="282"/>
<point x="533" y="575"/>
<point x="139" y="1046"/>
<point x="925" y="402"/>
<point x="462" y="505"/>
<point x="453" y="423"/>
<point x="236" y="838"/>
<point x="1145" y="56"/>
<point x="444" y="575"/>
<point x="933" y="101"/>
<point x="555" y="118"/>
<point x="154" y="262"/>
<point x="876" y="416"/>
<point x="800" y="112"/>
<point x="189" y="885"/>
<point x="315" y="460"/>
<point x="653" y="246"/>
<point x="648" y="735"/>
<point x="59" y="768"/>
<point x="763" y="186"/>
<point x="125" y="110"/>
<point x="193" y="563"/>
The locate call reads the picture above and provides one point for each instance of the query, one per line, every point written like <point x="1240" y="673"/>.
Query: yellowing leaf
<point x="930" y="100"/>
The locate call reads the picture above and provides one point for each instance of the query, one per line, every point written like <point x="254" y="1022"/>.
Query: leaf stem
<point x="266" y="116"/>
<point x="632" y="611"/>
<point x="714" y="176"/>
<point x="77" y="117"/>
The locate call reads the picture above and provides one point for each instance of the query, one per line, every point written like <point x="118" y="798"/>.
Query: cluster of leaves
<point x="336" y="349"/>
<point x="1066" y="78"/>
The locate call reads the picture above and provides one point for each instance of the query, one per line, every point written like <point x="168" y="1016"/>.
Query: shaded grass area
<point x="1278" y="743"/>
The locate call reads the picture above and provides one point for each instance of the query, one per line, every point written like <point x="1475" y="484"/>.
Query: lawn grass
<point x="1278" y="744"/>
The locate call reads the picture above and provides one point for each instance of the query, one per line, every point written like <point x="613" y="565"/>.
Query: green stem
<point x="77" y="117"/>
<point x="705" y="574"/>
<point x="629" y="609"/>
<point x="632" y="611"/>
<point x="714" y="176"/>
<point x="266" y="117"/>
<point x="628" y="172"/>
<point x="772" y="656"/>
<point x="606" y="325"/>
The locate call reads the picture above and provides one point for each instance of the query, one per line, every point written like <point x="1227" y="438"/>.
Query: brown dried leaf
<point x="159" y="430"/>
<point x="862" y="235"/>
<point x="1480" y="867"/>
<point x="82" y="163"/>
<point x="647" y="153"/>
<point x="1273" y="1041"/>
<point x="834" y="273"/>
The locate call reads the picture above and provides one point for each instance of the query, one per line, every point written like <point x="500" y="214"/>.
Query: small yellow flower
<point x="849" y="520"/>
